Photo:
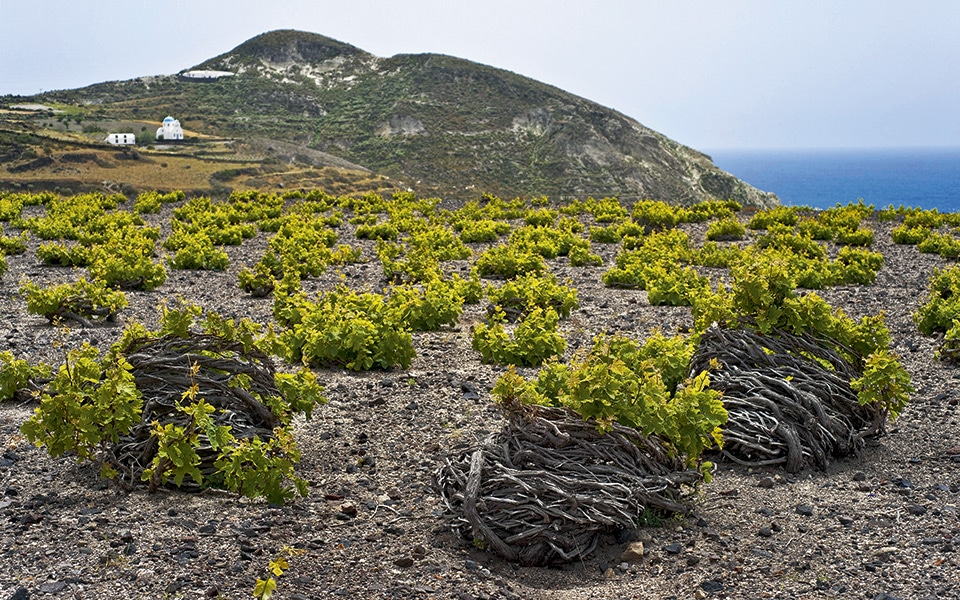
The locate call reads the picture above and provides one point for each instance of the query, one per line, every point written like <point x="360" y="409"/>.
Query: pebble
<point x="404" y="562"/>
<point x="805" y="509"/>
<point x="917" y="509"/>
<point x="886" y="552"/>
<point x="712" y="586"/>
<point x="470" y="391"/>
<point x="633" y="553"/>
<point x="765" y="532"/>
<point x="22" y="593"/>
<point x="766" y="483"/>
<point x="845" y="520"/>
<point x="52" y="587"/>
<point x="673" y="548"/>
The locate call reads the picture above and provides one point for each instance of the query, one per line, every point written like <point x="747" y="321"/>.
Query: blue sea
<point x="926" y="178"/>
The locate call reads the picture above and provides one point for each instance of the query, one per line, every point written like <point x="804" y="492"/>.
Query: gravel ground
<point x="877" y="526"/>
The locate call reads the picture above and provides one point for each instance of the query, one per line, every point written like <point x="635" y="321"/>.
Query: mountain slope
<point x="438" y="124"/>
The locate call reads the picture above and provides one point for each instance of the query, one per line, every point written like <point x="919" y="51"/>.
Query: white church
<point x="170" y="130"/>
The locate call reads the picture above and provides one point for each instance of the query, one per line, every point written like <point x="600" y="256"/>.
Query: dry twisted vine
<point x="549" y="484"/>
<point x="788" y="398"/>
<point x="162" y="369"/>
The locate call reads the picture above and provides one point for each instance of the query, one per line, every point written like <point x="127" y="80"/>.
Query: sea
<point x="914" y="177"/>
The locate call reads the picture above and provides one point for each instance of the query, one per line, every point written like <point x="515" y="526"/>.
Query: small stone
<point x="700" y="594"/>
<point x="470" y="391"/>
<point x="212" y="592"/>
<point x="52" y="587"/>
<point x="22" y="593"/>
<point x="886" y="552"/>
<point x="712" y="586"/>
<point x="805" y="509"/>
<point x="633" y="553"/>
<point x="766" y="483"/>
<point x="845" y="520"/>
<point x="404" y="562"/>
<point x="349" y="509"/>
<point x="412" y="406"/>
<point x="917" y="509"/>
<point x="610" y="573"/>
<point x="859" y="476"/>
<point x="673" y="548"/>
<point x="471" y="565"/>
<point x="765" y="532"/>
<point x="642" y="535"/>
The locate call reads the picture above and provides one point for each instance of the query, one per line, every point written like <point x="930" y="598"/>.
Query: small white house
<point x="170" y="130"/>
<point x="121" y="139"/>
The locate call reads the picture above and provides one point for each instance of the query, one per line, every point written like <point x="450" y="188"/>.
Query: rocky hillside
<point x="438" y="124"/>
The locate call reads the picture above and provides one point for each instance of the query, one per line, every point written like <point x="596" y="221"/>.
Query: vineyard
<point x="527" y="380"/>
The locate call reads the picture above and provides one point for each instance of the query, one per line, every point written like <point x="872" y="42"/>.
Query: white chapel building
<point x="170" y="130"/>
<point x="121" y="139"/>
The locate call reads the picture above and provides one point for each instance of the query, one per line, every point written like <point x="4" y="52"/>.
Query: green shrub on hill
<point x="507" y="261"/>
<point x="637" y="386"/>
<point x="83" y="300"/>
<point x="725" y="230"/>
<point x="534" y="340"/>
<point x="519" y="296"/>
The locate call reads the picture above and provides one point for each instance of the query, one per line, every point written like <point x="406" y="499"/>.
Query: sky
<point x="711" y="74"/>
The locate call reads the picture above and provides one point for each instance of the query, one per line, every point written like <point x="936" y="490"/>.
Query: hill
<point x="432" y="123"/>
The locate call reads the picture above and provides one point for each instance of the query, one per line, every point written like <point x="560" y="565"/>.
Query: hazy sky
<point x="712" y="74"/>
